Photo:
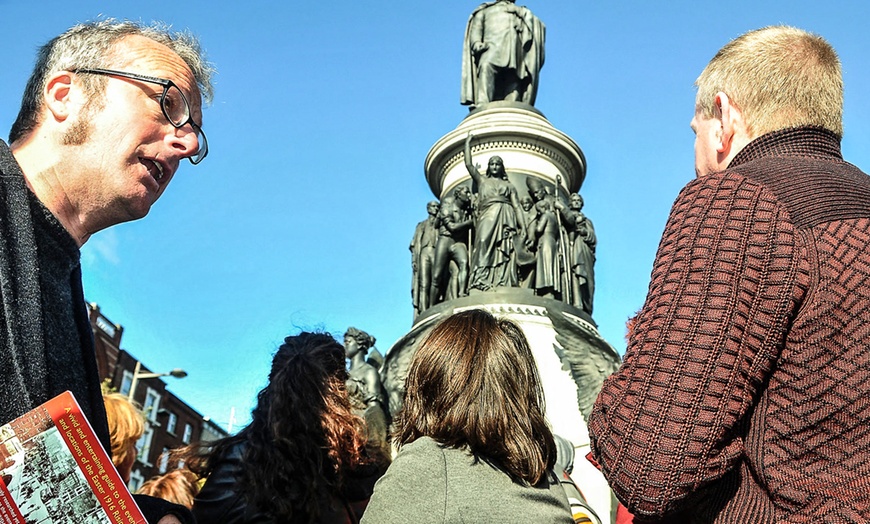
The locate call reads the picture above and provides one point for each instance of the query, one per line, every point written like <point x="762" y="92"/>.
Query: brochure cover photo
<point x="54" y="470"/>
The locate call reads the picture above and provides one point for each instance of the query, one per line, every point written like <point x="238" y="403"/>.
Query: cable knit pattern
<point x="744" y="395"/>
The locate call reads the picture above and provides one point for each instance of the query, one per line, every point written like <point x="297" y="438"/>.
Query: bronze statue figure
<point x="526" y="261"/>
<point x="582" y="256"/>
<point x="500" y="219"/>
<point x="502" y="55"/>
<point x="423" y="257"/>
<point x="537" y="190"/>
<point x="367" y="394"/>
<point x="451" y="247"/>
<point x="544" y="237"/>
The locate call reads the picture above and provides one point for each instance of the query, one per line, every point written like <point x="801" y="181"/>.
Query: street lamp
<point x="137" y="375"/>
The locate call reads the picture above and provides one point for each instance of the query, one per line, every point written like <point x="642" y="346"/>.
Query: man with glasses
<point x="108" y="114"/>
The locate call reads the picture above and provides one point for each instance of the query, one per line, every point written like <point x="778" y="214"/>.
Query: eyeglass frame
<point x="166" y="85"/>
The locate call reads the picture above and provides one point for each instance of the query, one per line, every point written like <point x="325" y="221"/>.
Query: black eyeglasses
<point x="174" y="104"/>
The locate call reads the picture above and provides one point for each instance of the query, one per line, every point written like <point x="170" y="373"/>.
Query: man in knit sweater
<point x="110" y="111"/>
<point x="745" y="391"/>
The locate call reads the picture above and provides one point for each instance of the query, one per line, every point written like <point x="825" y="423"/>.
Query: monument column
<point x="531" y="258"/>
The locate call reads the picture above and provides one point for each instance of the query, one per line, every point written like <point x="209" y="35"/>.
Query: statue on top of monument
<point x="502" y="55"/>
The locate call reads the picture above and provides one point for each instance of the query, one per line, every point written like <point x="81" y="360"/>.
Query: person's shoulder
<point x="220" y="499"/>
<point x="424" y="450"/>
<point x="721" y="181"/>
<point x="414" y="488"/>
<point x="422" y="444"/>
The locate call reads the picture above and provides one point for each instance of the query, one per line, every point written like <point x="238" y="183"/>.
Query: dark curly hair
<point x="303" y="438"/>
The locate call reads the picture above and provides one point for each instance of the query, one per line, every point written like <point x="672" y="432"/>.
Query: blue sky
<point x="300" y="217"/>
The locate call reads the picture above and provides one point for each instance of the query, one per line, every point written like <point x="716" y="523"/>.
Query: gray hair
<point x="88" y="46"/>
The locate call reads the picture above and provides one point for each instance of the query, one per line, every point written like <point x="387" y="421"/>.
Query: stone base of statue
<point x="543" y="168"/>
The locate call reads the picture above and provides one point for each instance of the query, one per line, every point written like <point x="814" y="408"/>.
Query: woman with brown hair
<point x="474" y="443"/>
<point x="303" y="458"/>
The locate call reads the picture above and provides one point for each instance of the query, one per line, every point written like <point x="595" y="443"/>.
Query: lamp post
<point x="138" y="375"/>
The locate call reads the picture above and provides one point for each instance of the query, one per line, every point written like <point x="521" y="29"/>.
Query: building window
<point x="163" y="465"/>
<point x="171" y="422"/>
<point x="144" y="445"/>
<point x="136" y="481"/>
<point x="152" y="404"/>
<point x="188" y="433"/>
<point x="126" y="382"/>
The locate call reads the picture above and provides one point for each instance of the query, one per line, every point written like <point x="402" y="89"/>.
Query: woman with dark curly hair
<point x="303" y="456"/>
<point x="474" y="443"/>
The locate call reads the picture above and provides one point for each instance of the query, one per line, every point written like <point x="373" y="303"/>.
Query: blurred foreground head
<point x="473" y="384"/>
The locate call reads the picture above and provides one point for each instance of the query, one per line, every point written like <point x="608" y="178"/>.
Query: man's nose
<point x="184" y="140"/>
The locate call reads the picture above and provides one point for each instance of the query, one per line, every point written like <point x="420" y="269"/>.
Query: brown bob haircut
<point x="473" y="384"/>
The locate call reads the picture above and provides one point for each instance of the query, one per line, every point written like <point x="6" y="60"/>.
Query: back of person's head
<point x="778" y="77"/>
<point x="473" y="384"/>
<point x="126" y="426"/>
<point x="307" y="396"/>
<point x="90" y="46"/>
<point x="178" y="486"/>
<point x="303" y="437"/>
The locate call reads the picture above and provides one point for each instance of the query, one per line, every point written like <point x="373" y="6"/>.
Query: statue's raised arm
<point x="469" y="163"/>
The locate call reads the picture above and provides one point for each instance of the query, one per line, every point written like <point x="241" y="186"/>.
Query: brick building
<point x="170" y="422"/>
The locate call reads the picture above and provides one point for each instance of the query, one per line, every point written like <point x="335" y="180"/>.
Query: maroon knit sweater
<point x="744" y="396"/>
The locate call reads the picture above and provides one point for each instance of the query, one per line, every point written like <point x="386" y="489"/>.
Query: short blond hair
<point x="126" y="425"/>
<point x="778" y="77"/>
<point x="179" y="486"/>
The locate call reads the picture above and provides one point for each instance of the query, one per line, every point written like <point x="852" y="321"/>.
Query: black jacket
<point x="222" y="502"/>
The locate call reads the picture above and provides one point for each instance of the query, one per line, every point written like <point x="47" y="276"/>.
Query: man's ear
<point x="728" y="115"/>
<point x="734" y="133"/>
<point x="59" y="95"/>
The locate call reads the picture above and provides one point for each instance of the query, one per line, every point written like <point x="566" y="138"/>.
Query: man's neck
<point x="42" y="174"/>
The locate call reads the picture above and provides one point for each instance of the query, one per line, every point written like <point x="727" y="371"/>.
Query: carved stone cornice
<point x="521" y="135"/>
